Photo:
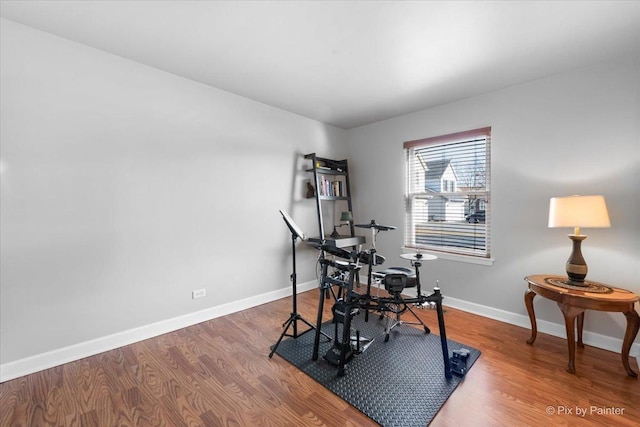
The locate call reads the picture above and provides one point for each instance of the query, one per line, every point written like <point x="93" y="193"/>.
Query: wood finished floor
<point x="218" y="373"/>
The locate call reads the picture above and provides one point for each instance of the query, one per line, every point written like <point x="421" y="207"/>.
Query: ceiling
<point x="348" y="63"/>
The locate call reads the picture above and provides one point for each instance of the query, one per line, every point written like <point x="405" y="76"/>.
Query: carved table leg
<point x="528" y="302"/>
<point x="633" y="324"/>
<point x="570" y="314"/>
<point x="580" y="325"/>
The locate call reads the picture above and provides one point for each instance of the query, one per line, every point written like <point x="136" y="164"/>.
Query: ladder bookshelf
<point x="330" y="180"/>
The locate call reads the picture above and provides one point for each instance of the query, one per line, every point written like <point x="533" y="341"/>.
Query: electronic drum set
<point x="341" y="268"/>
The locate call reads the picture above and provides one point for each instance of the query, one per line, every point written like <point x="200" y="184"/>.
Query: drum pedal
<point x="341" y="310"/>
<point x="360" y="343"/>
<point x="333" y="354"/>
<point x="459" y="361"/>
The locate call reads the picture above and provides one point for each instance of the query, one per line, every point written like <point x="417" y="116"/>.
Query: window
<point x="448" y="201"/>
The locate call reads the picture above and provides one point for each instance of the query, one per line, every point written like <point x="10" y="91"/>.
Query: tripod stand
<point x="293" y="319"/>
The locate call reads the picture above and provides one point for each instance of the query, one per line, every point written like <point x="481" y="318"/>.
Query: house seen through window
<point x="448" y="193"/>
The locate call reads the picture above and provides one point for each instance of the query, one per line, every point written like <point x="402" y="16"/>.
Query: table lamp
<point x="347" y="217"/>
<point x="576" y="212"/>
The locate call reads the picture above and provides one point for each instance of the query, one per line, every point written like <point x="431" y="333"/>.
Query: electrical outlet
<point x="199" y="293"/>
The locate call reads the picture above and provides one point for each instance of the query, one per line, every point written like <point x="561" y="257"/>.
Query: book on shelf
<point x="331" y="188"/>
<point x="336" y="187"/>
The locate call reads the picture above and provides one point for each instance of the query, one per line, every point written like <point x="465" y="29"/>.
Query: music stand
<point x="296" y="233"/>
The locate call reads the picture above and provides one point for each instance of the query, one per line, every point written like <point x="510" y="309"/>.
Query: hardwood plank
<point x="218" y="373"/>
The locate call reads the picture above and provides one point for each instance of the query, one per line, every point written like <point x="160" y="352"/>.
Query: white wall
<point x="124" y="188"/>
<point x="576" y="133"/>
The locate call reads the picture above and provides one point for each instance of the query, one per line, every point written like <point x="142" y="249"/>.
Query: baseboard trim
<point x="555" y="329"/>
<point x="32" y="364"/>
<point x="40" y="362"/>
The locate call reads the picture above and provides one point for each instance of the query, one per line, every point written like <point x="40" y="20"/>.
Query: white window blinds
<point x="448" y="203"/>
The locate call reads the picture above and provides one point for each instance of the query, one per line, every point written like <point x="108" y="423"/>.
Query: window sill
<point x="455" y="257"/>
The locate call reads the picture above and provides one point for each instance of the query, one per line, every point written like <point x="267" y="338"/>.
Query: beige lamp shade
<point x="578" y="211"/>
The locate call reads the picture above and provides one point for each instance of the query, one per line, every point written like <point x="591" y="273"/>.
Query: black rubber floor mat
<point x="396" y="383"/>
